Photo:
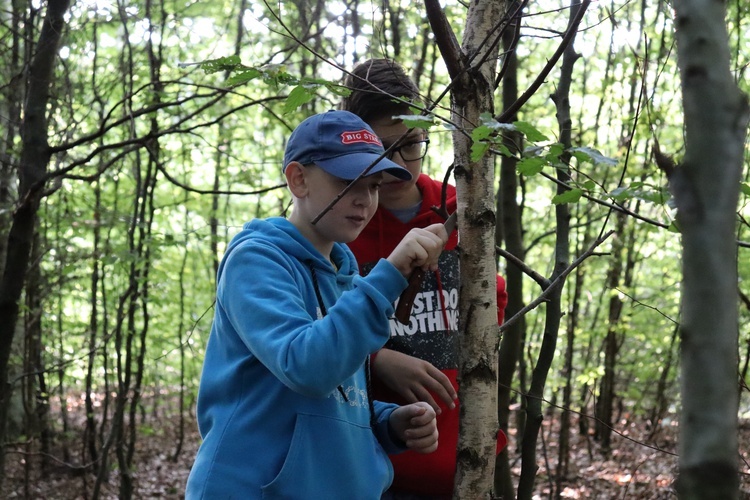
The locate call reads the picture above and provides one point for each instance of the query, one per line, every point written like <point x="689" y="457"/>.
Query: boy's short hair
<point x="341" y="144"/>
<point x="369" y="80"/>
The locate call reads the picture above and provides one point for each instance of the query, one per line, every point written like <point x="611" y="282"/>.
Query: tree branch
<point x="569" y="34"/>
<point x="543" y="296"/>
<point x="445" y="39"/>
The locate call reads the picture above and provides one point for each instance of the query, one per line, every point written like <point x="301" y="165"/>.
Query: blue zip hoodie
<point x="283" y="403"/>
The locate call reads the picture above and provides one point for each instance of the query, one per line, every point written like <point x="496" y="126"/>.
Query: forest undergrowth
<point x="639" y="466"/>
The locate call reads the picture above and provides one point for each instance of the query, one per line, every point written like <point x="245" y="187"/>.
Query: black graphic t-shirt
<point x="432" y="332"/>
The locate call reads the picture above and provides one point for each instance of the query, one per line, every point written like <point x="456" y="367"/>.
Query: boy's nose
<point x="363" y="197"/>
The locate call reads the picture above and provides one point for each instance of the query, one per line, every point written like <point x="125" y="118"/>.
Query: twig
<point x="569" y="34"/>
<point x="525" y="268"/>
<point x="543" y="296"/>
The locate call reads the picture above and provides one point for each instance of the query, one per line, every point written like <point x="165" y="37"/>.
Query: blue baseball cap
<point x="342" y="144"/>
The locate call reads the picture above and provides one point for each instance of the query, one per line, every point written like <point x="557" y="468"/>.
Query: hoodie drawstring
<point x="368" y="377"/>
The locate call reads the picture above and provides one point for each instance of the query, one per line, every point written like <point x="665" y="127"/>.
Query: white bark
<point x="475" y="183"/>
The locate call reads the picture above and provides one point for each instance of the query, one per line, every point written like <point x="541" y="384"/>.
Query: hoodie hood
<point x="281" y="233"/>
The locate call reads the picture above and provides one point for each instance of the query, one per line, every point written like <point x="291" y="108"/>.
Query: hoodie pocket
<point x="331" y="458"/>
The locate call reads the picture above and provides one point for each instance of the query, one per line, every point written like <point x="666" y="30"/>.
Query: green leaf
<point x="593" y="156"/>
<point x="147" y="430"/>
<point x="416" y="121"/>
<point x="479" y="147"/>
<point x="531" y="132"/>
<point x="229" y="63"/>
<point x="477" y="150"/>
<point x="640" y="191"/>
<point x="480" y="133"/>
<point x="621" y="194"/>
<point x="339" y="90"/>
<point x="656" y="196"/>
<point x="243" y="77"/>
<point x="555" y="150"/>
<point x="531" y="166"/>
<point x="503" y="149"/>
<point x="276" y="74"/>
<point x="301" y="94"/>
<point x="570" y="196"/>
<point x="533" y="151"/>
<point x="745" y="188"/>
<point x="488" y="120"/>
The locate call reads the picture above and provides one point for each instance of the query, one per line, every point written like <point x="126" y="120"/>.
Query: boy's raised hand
<point x="416" y="426"/>
<point x="421" y="247"/>
<point x="413" y="379"/>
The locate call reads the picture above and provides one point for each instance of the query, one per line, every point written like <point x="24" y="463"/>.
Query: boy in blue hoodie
<point x="284" y="407"/>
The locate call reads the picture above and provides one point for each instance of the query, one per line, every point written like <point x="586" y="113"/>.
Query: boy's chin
<point x="353" y="235"/>
<point x="349" y="239"/>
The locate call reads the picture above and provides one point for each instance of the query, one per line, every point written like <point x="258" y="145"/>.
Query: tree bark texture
<point x="611" y="347"/>
<point x="11" y="93"/>
<point x="706" y="191"/>
<point x="510" y="344"/>
<point x="553" y="314"/>
<point x="34" y="160"/>
<point x="473" y="74"/>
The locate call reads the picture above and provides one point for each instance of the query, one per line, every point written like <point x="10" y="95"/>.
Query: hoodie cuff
<point x="387" y="440"/>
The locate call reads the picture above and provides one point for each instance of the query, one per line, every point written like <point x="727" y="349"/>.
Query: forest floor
<point x="636" y="467"/>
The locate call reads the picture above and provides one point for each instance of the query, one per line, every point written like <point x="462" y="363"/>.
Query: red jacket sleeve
<point x="502" y="299"/>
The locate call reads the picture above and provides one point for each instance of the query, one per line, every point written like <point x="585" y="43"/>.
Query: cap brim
<point x="350" y="166"/>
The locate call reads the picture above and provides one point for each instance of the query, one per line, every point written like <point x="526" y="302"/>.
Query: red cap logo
<point x="360" y="136"/>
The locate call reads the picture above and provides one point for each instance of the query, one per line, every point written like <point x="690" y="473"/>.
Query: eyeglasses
<point x="411" y="151"/>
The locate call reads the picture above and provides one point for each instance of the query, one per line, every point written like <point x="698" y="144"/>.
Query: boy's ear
<point x="296" y="179"/>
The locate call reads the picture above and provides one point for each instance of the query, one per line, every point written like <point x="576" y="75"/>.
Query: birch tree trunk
<point x="472" y="70"/>
<point x="706" y="189"/>
<point x="475" y="181"/>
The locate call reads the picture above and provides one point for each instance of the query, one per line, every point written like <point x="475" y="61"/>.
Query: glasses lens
<point x="414" y="151"/>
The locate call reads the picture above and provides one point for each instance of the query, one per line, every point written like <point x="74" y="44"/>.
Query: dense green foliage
<point x="167" y="131"/>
